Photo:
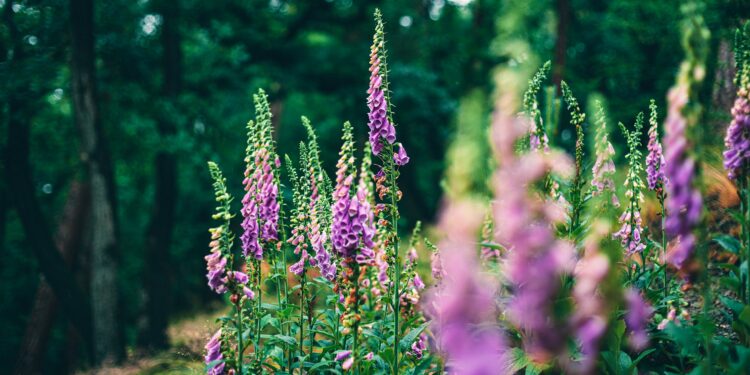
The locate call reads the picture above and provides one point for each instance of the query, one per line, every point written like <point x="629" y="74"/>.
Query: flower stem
<point x="239" y="335"/>
<point x="664" y="243"/>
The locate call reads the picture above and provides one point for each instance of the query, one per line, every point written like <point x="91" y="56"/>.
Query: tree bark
<point x="561" y="45"/>
<point x="21" y="192"/>
<point x="159" y="236"/>
<point x="95" y="156"/>
<point x="42" y="317"/>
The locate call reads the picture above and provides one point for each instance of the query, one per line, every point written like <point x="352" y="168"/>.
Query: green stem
<point x="746" y="231"/>
<point x="239" y="335"/>
<point x="397" y="265"/>
<point x="302" y="321"/>
<point x="258" y="309"/>
<point x="664" y="243"/>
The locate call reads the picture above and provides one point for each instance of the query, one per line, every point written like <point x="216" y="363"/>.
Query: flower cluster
<point x="655" y="159"/>
<point x="260" y="205"/>
<point x="464" y="301"/>
<point x="684" y="203"/>
<point x="352" y="229"/>
<point x="536" y="259"/>
<point x="637" y="317"/>
<point x="632" y="224"/>
<point x="602" y="182"/>
<point x="214" y="356"/>
<point x="221" y="236"/>
<point x="379" y="121"/>
<point x="737" y="139"/>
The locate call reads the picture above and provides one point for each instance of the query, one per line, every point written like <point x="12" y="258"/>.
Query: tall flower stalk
<point x="737" y="141"/>
<point x="260" y="204"/>
<point x="631" y="221"/>
<point x="536" y="261"/>
<point x="603" y="171"/>
<point x="576" y="192"/>
<point x="656" y="178"/>
<point x="382" y="135"/>
<point x="538" y="139"/>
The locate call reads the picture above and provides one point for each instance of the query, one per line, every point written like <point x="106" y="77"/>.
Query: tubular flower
<point x="353" y="227"/>
<point x="465" y="301"/>
<point x="603" y="171"/>
<point x="317" y="237"/>
<point x="379" y="122"/>
<point x="400" y="157"/>
<point x="213" y="354"/>
<point x="655" y="160"/>
<point x="684" y="202"/>
<point x="414" y="285"/>
<point x="536" y="259"/>
<point x="636" y="319"/>
<point x="632" y="224"/>
<point x="590" y="318"/>
<point x="260" y="203"/>
<point x="299" y="219"/>
<point x="419" y="346"/>
<point x="737" y="139"/>
<point x="221" y="236"/>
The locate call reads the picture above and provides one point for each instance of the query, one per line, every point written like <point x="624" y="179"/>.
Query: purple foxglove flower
<point x="464" y="303"/>
<point x="369" y="356"/>
<point x="342" y="355"/>
<point x="216" y="265"/>
<point x="213" y="353"/>
<point x="348" y="363"/>
<point x="419" y="346"/>
<point x="381" y="128"/>
<point x="418" y="283"/>
<point x="655" y="160"/>
<point x="248" y="292"/>
<point x="590" y="320"/>
<point x="636" y="319"/>
<point x="353" y="226"/>
<point x="684" y="201"/>
<point x="400" y="157"/>
<point x="737" y="139"/>
<point x="524" y="225"/>
<point x="240" y="277"/>
<point x="603" y="171"/>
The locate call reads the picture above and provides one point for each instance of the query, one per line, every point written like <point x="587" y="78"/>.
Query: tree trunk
<point x="96" y="158"/>
<point x="21" y="193"/>
<point x="42" y="317"/>
<point x="159" y="237"/>
<point x="561" y="45"/>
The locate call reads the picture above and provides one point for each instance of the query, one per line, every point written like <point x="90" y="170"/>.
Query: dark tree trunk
<point x="42" y="317"/>
<point x="561" y="45"/>
<point x="21" y="193"/>
<point x="96" y="158"/>
<point x="160" y="230"/>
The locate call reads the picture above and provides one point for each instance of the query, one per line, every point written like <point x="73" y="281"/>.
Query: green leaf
<point x="410" y="337"/>
<point x="729" y="243"/>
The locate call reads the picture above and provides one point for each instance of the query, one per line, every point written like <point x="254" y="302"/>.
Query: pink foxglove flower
<point x="655" y="160"/>
<point x="464" y="302"/>
<point x="637" y="316"/>
<point x="536" y="260"/>
<point x="379" y="122"/>
<point x="213" y="354"/>
<point x="684" y="202"/>
<point x="400" y="157"/>
<point x="737" y="140"/>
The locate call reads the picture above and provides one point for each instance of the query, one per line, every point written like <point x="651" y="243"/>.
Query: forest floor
<point x="187" y="337"/>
